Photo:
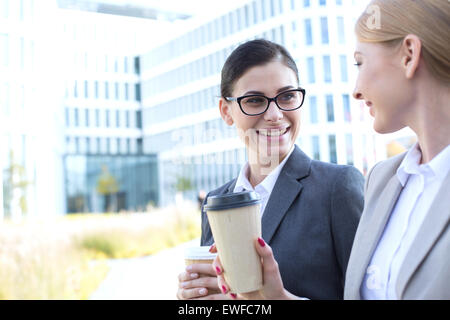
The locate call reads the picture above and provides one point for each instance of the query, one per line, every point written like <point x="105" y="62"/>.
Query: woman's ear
<point x="411" y="52"/>
<point x="225" y="111"/>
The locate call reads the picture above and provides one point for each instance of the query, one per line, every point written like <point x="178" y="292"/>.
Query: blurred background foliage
<point x="66" y="258"/>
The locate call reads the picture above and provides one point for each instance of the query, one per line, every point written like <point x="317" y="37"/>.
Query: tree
<point x="15" y="188"/>
<point x="108" y="186"/>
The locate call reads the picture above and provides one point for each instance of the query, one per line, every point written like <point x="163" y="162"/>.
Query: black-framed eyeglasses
<point x="256" y="104"/>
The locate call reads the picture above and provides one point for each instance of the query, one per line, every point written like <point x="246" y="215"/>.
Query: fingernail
<point x="218" y="271"/>
<point x="261" y="242"/>
<point x="202" y="291"/>
<point x="212" y="248"/>
<point x="189" y="268"/>
<point x="194" y="275"/>
<point x="233" y="295"/>
<point x="224" y="289"/>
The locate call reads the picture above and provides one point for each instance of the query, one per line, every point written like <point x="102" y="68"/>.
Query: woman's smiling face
<point x="273" y="133"/>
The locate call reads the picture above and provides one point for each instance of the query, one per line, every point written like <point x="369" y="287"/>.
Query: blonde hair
<point x="389" y="21"/>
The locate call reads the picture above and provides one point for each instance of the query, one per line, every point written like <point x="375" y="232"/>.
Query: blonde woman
<point x="402" y="246"/>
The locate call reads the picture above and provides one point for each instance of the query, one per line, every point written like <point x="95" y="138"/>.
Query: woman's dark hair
<point x="250" y="54"/>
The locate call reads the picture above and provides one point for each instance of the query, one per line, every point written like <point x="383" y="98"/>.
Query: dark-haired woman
<point x="310" y="209"/>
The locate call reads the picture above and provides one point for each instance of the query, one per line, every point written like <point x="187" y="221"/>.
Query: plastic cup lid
<point x="232" y="200"/>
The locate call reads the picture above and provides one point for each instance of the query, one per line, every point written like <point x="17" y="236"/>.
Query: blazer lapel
<point x="368" y="237"/>
<point x="284" y="192"/>
<point x="435" y="222"/>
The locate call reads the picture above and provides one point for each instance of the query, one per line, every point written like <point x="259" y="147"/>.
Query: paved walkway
<point x="148" y="278"/>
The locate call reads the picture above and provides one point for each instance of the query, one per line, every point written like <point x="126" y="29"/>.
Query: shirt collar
<point x="265" y="186"/>
<point x="438" y="166"/>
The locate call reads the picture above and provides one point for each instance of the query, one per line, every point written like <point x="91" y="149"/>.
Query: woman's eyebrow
<point x="262" y="93"/>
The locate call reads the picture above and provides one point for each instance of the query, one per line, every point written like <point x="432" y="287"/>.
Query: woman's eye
<point x="254" y="100"/>
<point x="287" y="96"/>
<point x="358" y="64"/>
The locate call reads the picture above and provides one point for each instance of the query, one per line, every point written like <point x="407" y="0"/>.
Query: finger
<point x="186" y="276"/>
<point x="202" y="282"/>
<point x="184" y="294"/>
<point x="213" y="248"/>
<point x="217" y="266"/>
<point x="201" y="268"/>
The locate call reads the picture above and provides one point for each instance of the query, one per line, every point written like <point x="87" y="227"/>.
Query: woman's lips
<point x="273" y="133"/>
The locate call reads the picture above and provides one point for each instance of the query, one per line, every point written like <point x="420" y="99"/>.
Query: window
<point x="67" y="117"/>
<point x="137" y="88"/>
<point x="106" y="90"/>
<point x="308" y="32"/>
<point x="332" y="148"/>
<point x="127" y="88"/>
<point x="255" y="13"/>
<point x="346" y="105"/>
<point x="117" y="119"/>
<point x="127" y="119"/>
<point x="88" y="145"/>
<point x="324" y="30"/>
<point x="263" y="10"/>
<point x="315" y="147"/>
<point x="76" y="118"/>
<point x="326" y="69"/>
<point x="116" y="87"/>
<point x="75" y="89"/>
<point x="330" y="108"/>
<point x="311" y="71"/>
<point x="86" y="89"/>
<point x="343" y="62"/>
<point x="107" y="118"/>
<point x="306" y="3"/>
<point x="339" y="2"/>
<point x="341" y="30"/>
<point x="349" y="148"/>
<point x="96" y="89"/>
<point x="139" y="119"/>
<point x="323" y="2"/>
<point x="86" y="117"/>
<point x="313" y="109"/>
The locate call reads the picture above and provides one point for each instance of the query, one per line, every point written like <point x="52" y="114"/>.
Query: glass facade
<point x="110" y="183"/>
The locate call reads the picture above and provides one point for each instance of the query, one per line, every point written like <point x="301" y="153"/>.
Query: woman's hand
<point x="272" y="284"/>
<point x="199" y="281"/>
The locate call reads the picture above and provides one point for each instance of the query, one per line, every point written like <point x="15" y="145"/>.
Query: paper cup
<point x="235" y="224"/>
<point x="198" y="255"/>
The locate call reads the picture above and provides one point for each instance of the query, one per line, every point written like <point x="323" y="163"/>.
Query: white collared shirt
<point x="265" y="187"/>
<point x="421" y="183"/>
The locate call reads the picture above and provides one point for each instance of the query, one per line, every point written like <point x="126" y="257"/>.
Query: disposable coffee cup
<point x="235" y="224"/>
<point x="199" y="254"/>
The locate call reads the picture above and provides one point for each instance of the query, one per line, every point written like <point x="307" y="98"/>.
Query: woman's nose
<point x="273" y="113"/>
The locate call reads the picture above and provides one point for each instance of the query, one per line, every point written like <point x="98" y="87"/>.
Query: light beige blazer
<point x="425" y="273"/>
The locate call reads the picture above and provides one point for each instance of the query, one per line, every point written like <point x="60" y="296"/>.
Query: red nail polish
<point x="218" y="271"/>
<point x="261" y="242"/>
<point x="224" y="289"/>
<point x="233" y="295"/>
<point x="211" y="248"/>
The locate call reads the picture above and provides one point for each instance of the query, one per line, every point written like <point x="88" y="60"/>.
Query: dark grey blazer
<point x="310" y="221"/>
